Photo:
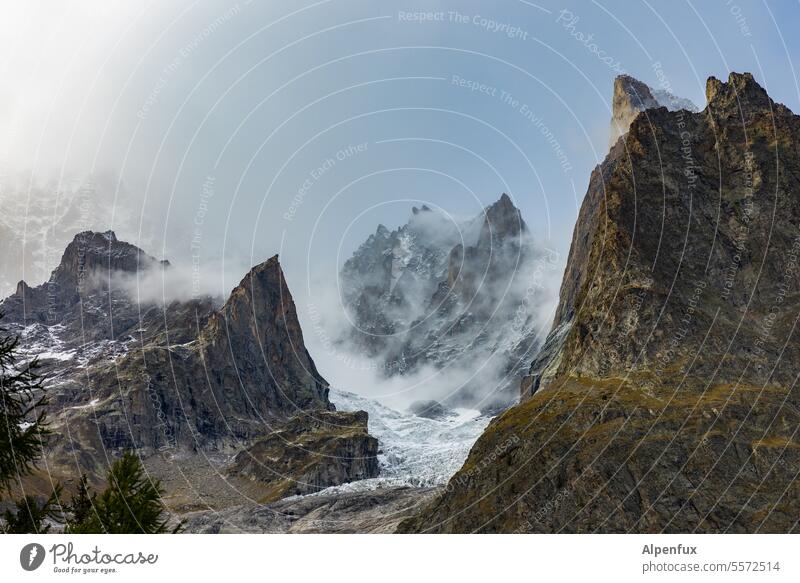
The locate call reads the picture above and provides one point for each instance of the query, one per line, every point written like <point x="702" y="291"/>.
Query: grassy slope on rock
<point x="588" y="457"/>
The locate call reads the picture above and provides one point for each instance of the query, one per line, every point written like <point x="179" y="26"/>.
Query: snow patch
<point x="93" y="403"/>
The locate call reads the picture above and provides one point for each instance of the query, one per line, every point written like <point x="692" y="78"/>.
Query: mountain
<point x="175" y="379"/>
<point x="39" y="221"/>
<point x="85" y="312"/>
<point x="391" y="273"/>
<point x="79" y="276"/>
<point x="664" y="398"/>
<point x="631" y="97"/>
<point x="438" y="293"/>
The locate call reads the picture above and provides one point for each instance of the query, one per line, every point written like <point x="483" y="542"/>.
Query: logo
<point x="31" y="556"/>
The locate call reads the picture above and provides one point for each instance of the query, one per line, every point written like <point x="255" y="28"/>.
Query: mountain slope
<point x="664" y="398"/>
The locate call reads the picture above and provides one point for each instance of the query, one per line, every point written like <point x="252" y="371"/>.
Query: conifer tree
<point x="130" y="504"/>
<point x="81" y="506"/>
<point x="23" y="423"/>
<point x="30" y="514"/>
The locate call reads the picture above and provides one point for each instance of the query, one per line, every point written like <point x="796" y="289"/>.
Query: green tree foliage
<point x="81" y="506"/>
<point x="23" y="428"/>
<point x="30" y="514"/>
<point x="130" y="504"/>
<point x="23" y="423"/>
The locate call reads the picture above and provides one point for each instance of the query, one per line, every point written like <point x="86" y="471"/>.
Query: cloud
<point x="180" y="282"/>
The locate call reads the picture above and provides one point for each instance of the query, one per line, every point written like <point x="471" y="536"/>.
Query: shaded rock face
<point x="255" y="340"/>
<point x="691" y="220"/>
<point x="664" y="398"/>
<point x="310" y="452"/>
<point x="631" y="97"/>
<point x="438" y="294"/>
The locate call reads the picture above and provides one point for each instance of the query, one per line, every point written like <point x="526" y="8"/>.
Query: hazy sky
<point x="257" y="127"/>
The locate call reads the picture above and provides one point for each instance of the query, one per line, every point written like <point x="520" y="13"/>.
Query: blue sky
<point x="245" y="129"/>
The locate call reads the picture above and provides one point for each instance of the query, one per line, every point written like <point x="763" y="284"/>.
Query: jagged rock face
<point x="392" y="273"/>
<point x="255" y="340"/>
<point x="312" y="451"/>
<point x="168" y="380"/>
<point x="247" y="370"/>
<point x="662" y="399"/>
<point x="173" y="377"/>
<point x="86" y="268"/>
<point x="83" y="315"/>
<point x="686" y="223"/>
<point x="631" y="97"/>
<point x="502" y="224"/>
<point x="436" y="294"/>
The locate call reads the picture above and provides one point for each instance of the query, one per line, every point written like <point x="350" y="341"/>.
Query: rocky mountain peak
<point x="424" y="209"/>
<point x="613" y="235"/>
<point x="256" y="304"/>
<point x="255" y="341"/>
<point x="740" y="88"/>
<point x="198" y="376"/>
<point x="22" y="288"/>
<point x="630" y="92"/>
<point x="91" y="251"/>
<point x="437" y="292"/>
<point x="88" y="265"/>
<point x="502" y="222"/>
<point x="631" y="97"/>
<point x="185" y="376"/>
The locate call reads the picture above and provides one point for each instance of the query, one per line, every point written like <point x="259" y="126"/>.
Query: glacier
<point x="414" y="451"/>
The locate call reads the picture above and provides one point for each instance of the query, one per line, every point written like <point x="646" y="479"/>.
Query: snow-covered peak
<point x="673" y="102"/>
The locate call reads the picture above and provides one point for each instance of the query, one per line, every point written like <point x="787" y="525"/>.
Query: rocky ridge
<point x="178" y="379"/>
<point x="310" y="453"/>
<point x="374" y="512"/>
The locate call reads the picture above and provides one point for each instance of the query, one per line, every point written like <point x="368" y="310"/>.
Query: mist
<point x="484" y="342"/>
<point x="178" y="282"/>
